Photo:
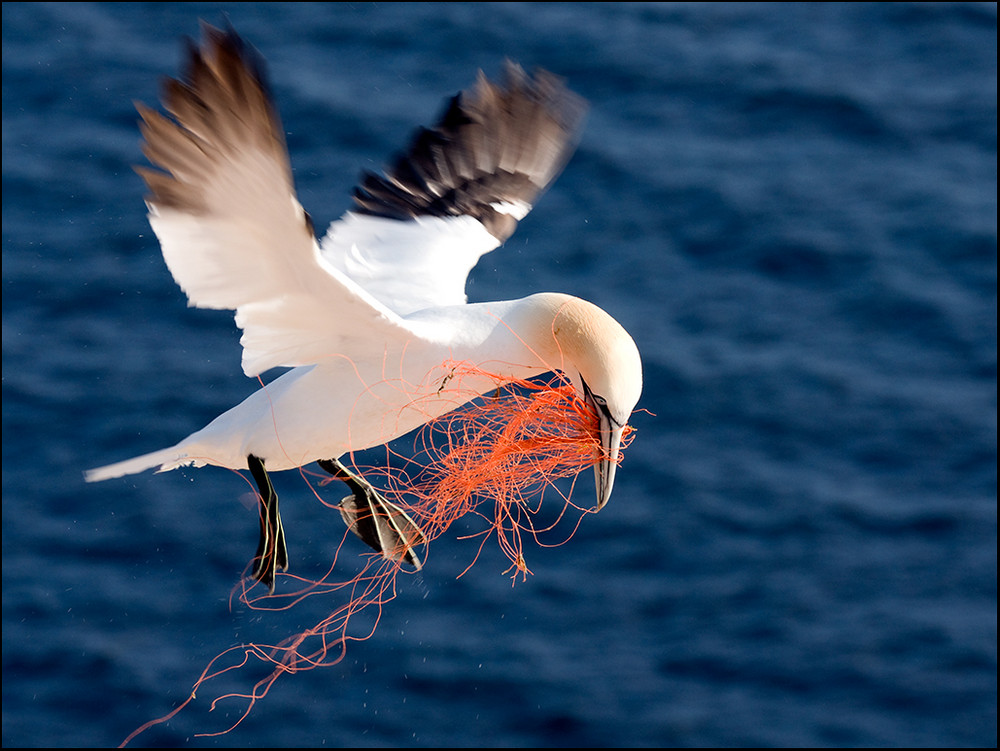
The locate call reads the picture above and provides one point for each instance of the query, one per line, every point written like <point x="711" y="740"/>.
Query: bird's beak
<point x="604" y="471"/>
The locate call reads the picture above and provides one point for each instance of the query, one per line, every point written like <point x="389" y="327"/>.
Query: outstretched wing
<point x="457" y="192"/>
<point x="233" y="233"/>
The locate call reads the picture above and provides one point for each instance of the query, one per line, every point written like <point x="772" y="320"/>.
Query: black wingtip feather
<point x="493" y="144"/>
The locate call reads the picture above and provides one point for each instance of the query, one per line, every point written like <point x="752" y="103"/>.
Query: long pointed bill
<point x="604" y="470"/>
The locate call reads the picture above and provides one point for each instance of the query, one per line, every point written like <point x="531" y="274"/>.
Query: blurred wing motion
<point x="232" y="231"/>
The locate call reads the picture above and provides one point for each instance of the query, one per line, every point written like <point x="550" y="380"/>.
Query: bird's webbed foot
<point x="271" y="555"/>
<point x="382" y="525"/>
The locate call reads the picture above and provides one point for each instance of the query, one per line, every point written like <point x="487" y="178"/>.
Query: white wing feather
<point x="408" y="265"/>
<point x="232" y="232"/>
<point x="245" y="256"/>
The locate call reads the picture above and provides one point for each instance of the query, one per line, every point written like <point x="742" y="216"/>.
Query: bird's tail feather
<point x="166" y="459"/>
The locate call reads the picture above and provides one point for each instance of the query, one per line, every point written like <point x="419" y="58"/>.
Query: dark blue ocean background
<point x="792" y="208"/>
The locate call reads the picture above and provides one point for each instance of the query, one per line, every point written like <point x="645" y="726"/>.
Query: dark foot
<point x="383" y="526"/>
<point x="271" y="553"/>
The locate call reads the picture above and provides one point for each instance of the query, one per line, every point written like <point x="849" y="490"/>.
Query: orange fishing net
<point x="498" y="457"/>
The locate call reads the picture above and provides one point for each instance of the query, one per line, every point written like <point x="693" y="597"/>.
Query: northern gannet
<point x="367" y="319"/>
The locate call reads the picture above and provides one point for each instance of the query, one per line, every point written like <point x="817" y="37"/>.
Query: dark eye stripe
<point x="600" y="402"/>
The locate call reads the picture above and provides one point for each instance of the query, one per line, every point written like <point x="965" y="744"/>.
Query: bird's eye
<point x="600" y="400"/>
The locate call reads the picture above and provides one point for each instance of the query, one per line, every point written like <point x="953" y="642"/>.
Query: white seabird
<point x="368" y="319"/>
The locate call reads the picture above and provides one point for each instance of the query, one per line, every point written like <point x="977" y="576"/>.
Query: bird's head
<point x="603" y="363"/>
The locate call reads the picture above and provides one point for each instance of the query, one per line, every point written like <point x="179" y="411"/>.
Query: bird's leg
<point x="382" y="525"/>
<point x="271" y="553"/>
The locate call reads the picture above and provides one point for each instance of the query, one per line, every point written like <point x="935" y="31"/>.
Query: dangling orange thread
<point x="497" y="457"/>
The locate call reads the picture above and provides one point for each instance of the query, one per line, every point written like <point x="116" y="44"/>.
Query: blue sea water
<point x="792" y="208"/>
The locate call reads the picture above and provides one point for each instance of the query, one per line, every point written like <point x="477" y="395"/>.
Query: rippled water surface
<point x="793" y="210"/>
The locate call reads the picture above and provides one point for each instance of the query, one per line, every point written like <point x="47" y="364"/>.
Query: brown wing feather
<point x="222" y="107"/>
<point x="494" y="144"/>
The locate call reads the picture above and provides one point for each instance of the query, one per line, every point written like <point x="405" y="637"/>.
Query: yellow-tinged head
<point x="601" y="360"/>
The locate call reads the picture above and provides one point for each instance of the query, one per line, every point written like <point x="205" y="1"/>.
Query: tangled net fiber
<point x="497" y="457"/>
